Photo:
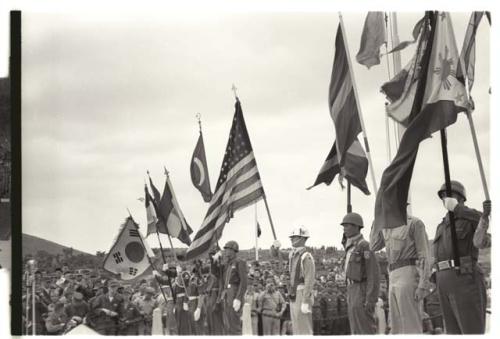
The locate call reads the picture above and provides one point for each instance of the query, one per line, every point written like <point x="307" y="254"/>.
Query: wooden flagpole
<point x="349" y="206"/>
<point x="256" y="235"/>
<point x="451" y="215"/>
<point x="473" y="133"/>
<point x="234" y="89"/>
<point x="365" y="137"/>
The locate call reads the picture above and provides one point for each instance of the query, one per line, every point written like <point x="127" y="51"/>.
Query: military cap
<point x="353" y="218"/>
<point x="456" y="187"/>
<point x="232" y="245"/>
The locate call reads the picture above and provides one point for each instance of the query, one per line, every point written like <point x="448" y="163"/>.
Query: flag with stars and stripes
<point x="129" y="254"/>
<point x="238" y="186"/>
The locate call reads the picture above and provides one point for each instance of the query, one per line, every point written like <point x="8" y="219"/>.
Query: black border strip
<point x="16" y="215"/>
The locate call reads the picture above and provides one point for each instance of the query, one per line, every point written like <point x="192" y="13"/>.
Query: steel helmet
<point x="300" y="231"/>
<point x="456" y="187"/>
<point x="354" y="219"/>
<point x="232" y="245"/>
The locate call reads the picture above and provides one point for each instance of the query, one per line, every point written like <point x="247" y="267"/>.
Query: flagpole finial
<point x="166" y="172"/>
<point x="130" y="214"/>
<point x="147" y="171"/>
<point x="234" y="91"/>
<point x="198" y="117"/>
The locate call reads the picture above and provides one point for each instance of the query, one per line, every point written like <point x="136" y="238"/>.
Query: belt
<point x="350" y="281"/>
<point x="180" y="295"/>
<point x="444" y="265"/>
<point x="270" y="316"/>
<point x="192" y="297"/>
<point x="402" y="263"/>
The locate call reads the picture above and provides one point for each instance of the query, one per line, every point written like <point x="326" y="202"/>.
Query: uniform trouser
<point x="463" y="301"/>
<point x="405" y="313"/>
<point x="255" y="324"/>
<point x="301" y="322"/>
<point x="270" y="325"/>
<point x="214" y="318"/>
<point x="360" y="320"/>
<point x="231" y="318"/>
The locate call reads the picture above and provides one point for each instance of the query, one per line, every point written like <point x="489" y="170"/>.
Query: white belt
<point x="193" y="297"/>
<point x="180" y="294"/>
<point x="300" y="287"/>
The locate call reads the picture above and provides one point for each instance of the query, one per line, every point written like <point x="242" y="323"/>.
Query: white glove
<point x="185" y="306"/>
<point x="165" y="267"/>
<point x="197" y="314"/>
<point x="155" y="273"/>
<point x="450" y="203"/>
<point x="304" y="308"/>
<point x="276" y="243"/>
<point x="217" y="256"/>
<point x="178" y="269"/>
<point x="236" y="305"/>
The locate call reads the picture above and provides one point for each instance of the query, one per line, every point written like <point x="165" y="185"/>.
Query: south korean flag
<point x="129" y="254"/>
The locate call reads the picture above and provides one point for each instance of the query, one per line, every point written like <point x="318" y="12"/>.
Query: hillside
<point x="32" y="244"/>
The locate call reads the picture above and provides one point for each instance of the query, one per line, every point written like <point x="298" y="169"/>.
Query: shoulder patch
<point x="367" y="255"/>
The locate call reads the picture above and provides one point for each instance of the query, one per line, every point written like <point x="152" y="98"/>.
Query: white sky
<point x="106" y="97"/>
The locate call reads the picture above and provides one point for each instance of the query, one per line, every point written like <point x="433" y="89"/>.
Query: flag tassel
<point x="451" y="215"/>
<point x="367" y="148"/>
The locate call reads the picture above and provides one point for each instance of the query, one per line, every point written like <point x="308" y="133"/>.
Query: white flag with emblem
<point x="129" y="254"/>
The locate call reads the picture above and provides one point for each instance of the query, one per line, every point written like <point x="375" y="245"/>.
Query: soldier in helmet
<point x="233" y="288"/>
<point x="408" y="256"/>
<point x="461" y="286"/>
<point x="362" y="275"/>
<point x="302" y="273"/>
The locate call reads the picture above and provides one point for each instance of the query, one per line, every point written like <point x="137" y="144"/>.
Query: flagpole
<point x="365" y="137"/>
<point x="473" y="132"/>
<point x="256" y="235"/>
<point x="451" y="215"/>
<point x="349" y="206"/>
<point x="149" y="259"/>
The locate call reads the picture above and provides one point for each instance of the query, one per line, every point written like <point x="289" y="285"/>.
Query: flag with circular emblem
<point x="129" y="254"/>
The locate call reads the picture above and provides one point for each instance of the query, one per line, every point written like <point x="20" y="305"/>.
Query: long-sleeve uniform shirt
<point x="404" y="243"/>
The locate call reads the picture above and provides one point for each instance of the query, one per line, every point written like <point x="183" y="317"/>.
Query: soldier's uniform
<point x="213" y="304"/>
<point x="462" y="290"/>
<point x="107" y="324"/>
<point x="343" y="319"/>
<point x="271" y="305"/>
<point x="233" y="287"/>
<point x="317" y="314"/>
<point x="408" y="256"/>
<point x="130" y="318"/>
<point x="302" y="273"/>
<point x="184" y="318"/>
<point x="363" y="280"/>
<point x="331" y="322"/>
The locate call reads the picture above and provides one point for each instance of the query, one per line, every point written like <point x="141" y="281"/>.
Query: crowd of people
<point x="294" y="293"/>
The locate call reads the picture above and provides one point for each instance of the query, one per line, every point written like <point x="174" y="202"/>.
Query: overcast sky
<point x="107" y="97"/>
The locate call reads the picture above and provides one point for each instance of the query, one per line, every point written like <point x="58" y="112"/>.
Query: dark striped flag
<point x="355" y="167"/>
<point x="238" y="186"/>
<point x="151" y="217"/>
<point x="352" y="162"/>
<point x="342" y="100"/>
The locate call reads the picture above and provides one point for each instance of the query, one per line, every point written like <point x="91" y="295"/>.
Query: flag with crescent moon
<point x="129" y="254"/>
<point x="199" y="170"/>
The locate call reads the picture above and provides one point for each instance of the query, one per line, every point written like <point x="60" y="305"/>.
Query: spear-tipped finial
<point x="198" y="117"/>
<point x="234" y="91"/>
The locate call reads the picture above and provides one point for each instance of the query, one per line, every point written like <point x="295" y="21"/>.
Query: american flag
<point x="238" y="186"/>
